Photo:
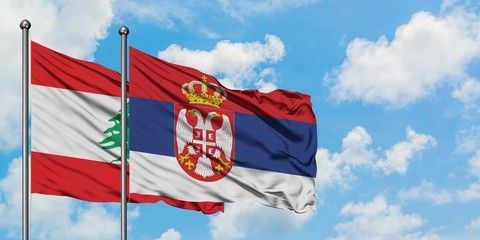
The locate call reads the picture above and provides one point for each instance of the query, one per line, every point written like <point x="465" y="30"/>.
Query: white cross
<point x="204" y="141"/>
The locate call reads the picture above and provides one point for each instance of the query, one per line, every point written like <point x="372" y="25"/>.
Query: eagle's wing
<point x="224" y="137"/>
<point x="184" y="131"/>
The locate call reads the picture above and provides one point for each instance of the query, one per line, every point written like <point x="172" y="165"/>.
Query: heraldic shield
<point x="204" y="133"/>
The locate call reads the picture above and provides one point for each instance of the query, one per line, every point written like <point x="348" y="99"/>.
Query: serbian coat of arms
<point x="204" y="136"/>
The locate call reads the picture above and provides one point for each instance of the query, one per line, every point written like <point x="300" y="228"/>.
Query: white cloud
<point x="470" y="194"/>
<point x="164" y="13"/>
<point x="357" y="152"/>
<point x="473" y="226"/>
<point x="134" y="213"/>
<point x="468" y="140"/>
<point x="468" y="94"/>
<point x="11" y="195"/>
<point x="267" y="80"/>
<point x="169" y="14"/>
<point x="398" y="157"/>
<point x="90" y="222"/>
<point x="377" y="220"/>
<point x="243" y="219"/>
<point x="471" y="231"/>
<point x="331" y="171"/>
<point x="170" y="234"/>
<point x="474" y="163"/>
<point x="425" y="191"/>
<point x="238" y="63"/>
<point x="420" y="236"/>
<point x="265" y="87"/>
<point x="411" y="66"/>
<point x="61" y="25"/>
<point x="448" y="5"/>
<point x="336" y="169"/>
<point x="53" y="217"/>
<point x="244" y="9"/>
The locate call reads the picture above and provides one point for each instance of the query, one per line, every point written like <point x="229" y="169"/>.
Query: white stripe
<point x="71" y="123"/>
<point x="161" y="175"/>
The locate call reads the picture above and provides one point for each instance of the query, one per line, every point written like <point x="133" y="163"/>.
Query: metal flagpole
<point x="123" y="31"/>
<point x="25" y="26"/>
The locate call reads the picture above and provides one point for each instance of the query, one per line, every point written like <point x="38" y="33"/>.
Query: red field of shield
<point x="206" y="157"/>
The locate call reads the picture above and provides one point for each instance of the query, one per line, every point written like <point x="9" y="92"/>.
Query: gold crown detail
<point x="204" y="97"/>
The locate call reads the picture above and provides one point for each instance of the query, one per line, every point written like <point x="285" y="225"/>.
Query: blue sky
<point x="395" y="88"/>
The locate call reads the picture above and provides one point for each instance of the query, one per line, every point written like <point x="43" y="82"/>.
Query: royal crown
<point x="205" y="96"/>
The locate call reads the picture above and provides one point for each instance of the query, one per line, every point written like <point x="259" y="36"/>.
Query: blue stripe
<point x="151" y="126"/>
<point x="264" y="143"/>
<point x="275" y="144"/>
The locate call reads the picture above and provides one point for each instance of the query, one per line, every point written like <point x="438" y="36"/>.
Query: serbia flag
<point x="194" y="140"/>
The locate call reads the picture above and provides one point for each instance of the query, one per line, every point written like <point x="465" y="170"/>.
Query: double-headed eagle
<point x="223" y="139"/>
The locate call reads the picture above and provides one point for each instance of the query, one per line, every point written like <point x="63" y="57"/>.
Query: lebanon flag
<point x="194" y="140"/>
<point x="75" y="131"/>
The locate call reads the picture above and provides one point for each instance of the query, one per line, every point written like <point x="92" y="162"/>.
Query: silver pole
<point x="25" y="26"/>
<point x="123" y="31"/>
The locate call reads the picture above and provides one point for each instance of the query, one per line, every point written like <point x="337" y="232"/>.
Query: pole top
<point x="123" y="30"/>
<point x="25" y="24"/>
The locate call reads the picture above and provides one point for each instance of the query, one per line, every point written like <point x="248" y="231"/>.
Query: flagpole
<point x="25" y="26"/>
<point x="123" y="31"/>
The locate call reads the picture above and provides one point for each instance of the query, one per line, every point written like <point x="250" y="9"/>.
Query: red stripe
<point x="54" y="69"/>
<point x="153" y="78"/>
<point x="93" y="181"/>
